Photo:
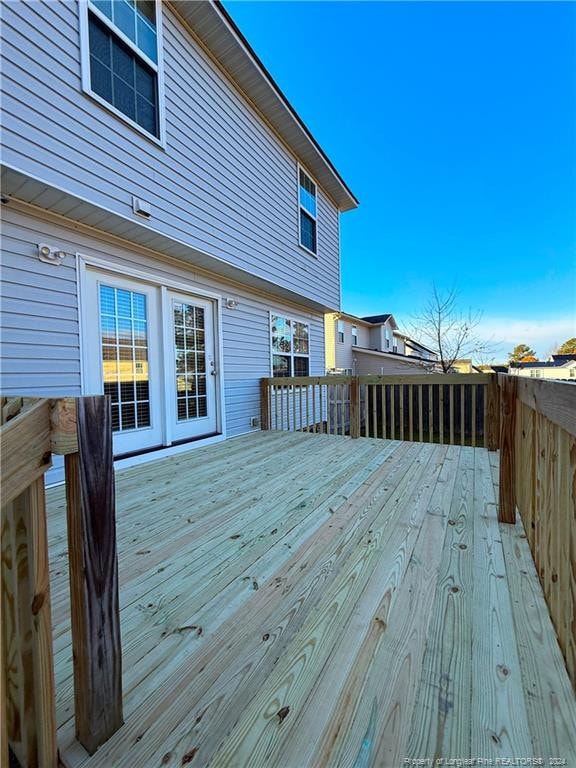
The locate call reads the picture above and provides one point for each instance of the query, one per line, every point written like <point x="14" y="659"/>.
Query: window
<point x="290" y="347"/>
<point x="307" y="207"/>
<point x="122" y="68"/>
<point x="354" y="336"/>
<point x="387" y="334"/>
<point x="340" y="331"/>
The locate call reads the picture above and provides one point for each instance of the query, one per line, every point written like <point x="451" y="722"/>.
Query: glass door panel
<point x="193" y="373"/>
<point x="125" y="364"/>
<point x="190" y="350"/>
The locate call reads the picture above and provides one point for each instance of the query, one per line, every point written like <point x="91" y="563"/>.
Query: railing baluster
<point x="420" y="418"/>
<point x="393" y="412"/>
<point x="411" y="412"/>
<point x="314" y="427"/>
<point x="294" y="405"/>
<point x="473" y="415"/>
<point x="451" y="405"/>
<point x="462" y="414"/>
<point x="401" y="390"/>
<point x="374" y="410"/>
<point x="441" y="412"/>
<point x="431" y="412"/>
<point x="383" y="389"/>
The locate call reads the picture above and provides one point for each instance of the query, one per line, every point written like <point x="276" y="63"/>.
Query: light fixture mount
<point x="50" y="255"/>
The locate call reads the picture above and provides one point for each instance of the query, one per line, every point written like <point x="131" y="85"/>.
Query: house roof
<point x="379" y="319"/>
<point x="548" y="364"/>
<point x="396" y="356"/>
<point x="219" y="34"/>
<point x="564" y="357"/>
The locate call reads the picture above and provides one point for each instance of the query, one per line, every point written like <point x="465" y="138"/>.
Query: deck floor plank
<point x="498" y="706"/>
<point x="341" y="583"/>
<point x="550" y="701"/>
<point x="441" y="721"/>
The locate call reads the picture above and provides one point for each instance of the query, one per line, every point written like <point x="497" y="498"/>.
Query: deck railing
<point x="31" y="430"/>
<point x="538" y="479"/>
<point x="451" y="409"/>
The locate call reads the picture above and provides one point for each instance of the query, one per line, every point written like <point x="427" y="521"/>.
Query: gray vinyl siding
<point x="224" y="183"/>
<point x="373" y="364"/>
<point x="40" y="326"/>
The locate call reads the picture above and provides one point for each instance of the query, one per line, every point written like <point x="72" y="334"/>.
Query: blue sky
<point x="455" y="126"/>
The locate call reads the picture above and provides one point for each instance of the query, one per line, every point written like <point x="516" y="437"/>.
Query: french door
<point x="153" y="351"/>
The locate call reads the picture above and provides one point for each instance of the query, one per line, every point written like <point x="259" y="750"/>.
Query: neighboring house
<point x="561" y="367"/>
<point x="373" y="345"/>
<point x="465" y="365"/>
<point x="170" y="226"/>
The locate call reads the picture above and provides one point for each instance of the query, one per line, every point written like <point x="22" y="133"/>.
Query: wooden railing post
<point x="264" y="404"/>
<point x="95" y="614"/>
<point x="492" y="416"/>
<point x="27" y="705"/>
<point x="507" y="501"/>
<point x="354" y="407"/>
<point x="28" y="662"/>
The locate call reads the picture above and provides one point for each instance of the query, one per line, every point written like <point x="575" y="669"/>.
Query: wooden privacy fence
<point x="455" y="409"/>
<point x="538" y="480"/>
<point x="31" y="430"/>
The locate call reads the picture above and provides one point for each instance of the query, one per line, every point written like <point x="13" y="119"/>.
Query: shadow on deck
<point x="296" y="600"/>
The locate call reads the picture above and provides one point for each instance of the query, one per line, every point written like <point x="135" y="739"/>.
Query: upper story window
<point x="354" y="336"/>
<point x="290" y="341"/>
<point x="340" y="331"/>
<point x="387" y="335"/>
<point x="122" y="69"/>
<point x="307" y="206"/>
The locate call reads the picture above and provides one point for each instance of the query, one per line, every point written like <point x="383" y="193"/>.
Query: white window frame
<point x="354" y="335"/>
<point x="301" y="208"/>
<point x="86" y="7"/>
<point x="286" y="316"/>
<point x="340" y="324"/>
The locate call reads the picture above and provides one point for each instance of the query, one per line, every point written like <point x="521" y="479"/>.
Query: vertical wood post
<point x="507" y="505"/>
<point x="264" y="404"/>
<point x="354" y="407"/>
<point x="492" y="417"/>
<point x="91" y="516"/>
<point x="28" y="703"/>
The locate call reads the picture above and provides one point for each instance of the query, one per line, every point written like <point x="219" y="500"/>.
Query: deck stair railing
<point x="31" y="430"/>
<point x="451" y="409"/>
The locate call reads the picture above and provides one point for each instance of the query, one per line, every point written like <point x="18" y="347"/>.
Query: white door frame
<point x="84" y="263"/>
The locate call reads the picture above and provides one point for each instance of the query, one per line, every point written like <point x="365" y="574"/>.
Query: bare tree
<point x="450" y="332"/>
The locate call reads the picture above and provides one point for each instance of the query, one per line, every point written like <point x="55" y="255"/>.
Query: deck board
<point x="313" y="576"/>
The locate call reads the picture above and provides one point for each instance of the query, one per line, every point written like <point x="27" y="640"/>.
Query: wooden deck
<point x="298" y="600"/>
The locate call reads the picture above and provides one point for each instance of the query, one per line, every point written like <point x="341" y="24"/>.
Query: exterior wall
<point x="343" y="350"/>
<point x="563" y="372"/>
<point x="400" y="345"/>
<point x="40" y="323"/>
<point x="223" y="184"/>
<point x="330" y="340"/>
<point x="374" y="364"/>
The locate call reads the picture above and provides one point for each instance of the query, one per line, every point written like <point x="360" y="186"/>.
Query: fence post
<point x="355" y="407"/>
<point x="90" y="501"/>
<point x="264" y="405"/>
<point x="507" y="501"/>
<point x="492" y="418"/>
